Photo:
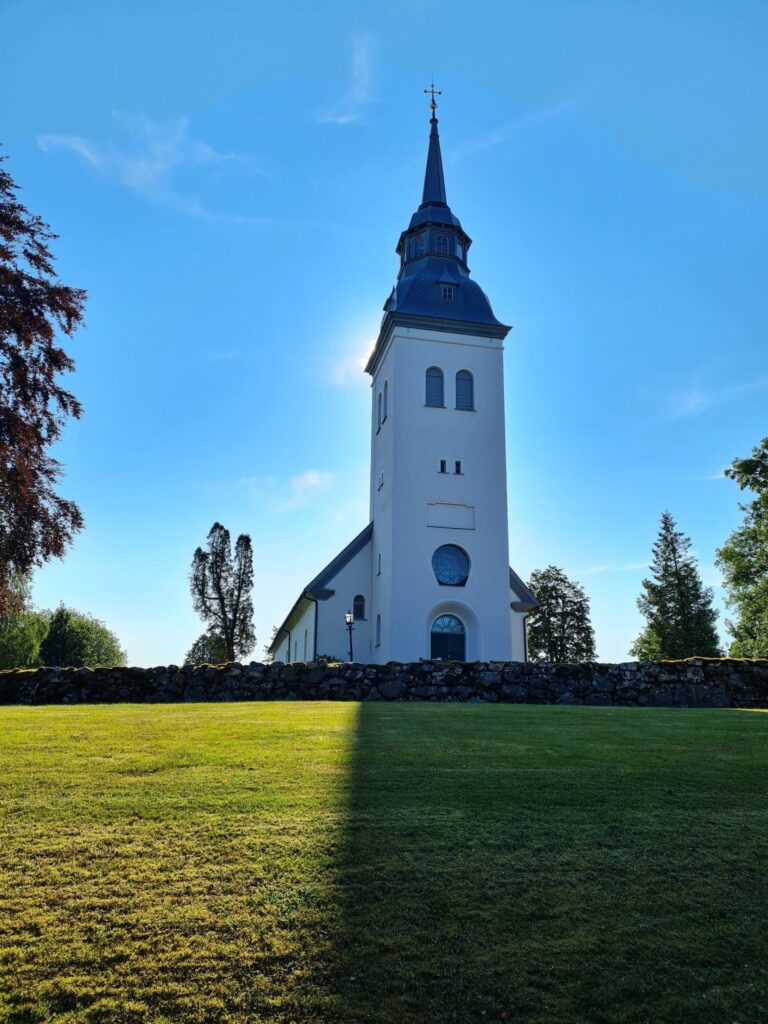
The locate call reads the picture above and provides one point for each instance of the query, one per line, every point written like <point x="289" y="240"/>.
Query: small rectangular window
<point x="458" y="466"/>
<point x="443" y="466"/>
<point x="447" y="292"/>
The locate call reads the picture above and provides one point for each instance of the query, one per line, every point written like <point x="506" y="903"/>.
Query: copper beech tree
<point x="36" y="309"/>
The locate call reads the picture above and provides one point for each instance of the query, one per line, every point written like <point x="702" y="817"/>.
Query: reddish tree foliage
<point x="36" y="524"/>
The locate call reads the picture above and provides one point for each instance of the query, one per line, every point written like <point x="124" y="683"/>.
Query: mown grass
<point x="383" y="863"/>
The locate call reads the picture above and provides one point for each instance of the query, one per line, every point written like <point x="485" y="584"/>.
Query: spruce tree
<point x="680" y="619"/>
<point x="744" y="559"/>
<point x="560" y="629"/>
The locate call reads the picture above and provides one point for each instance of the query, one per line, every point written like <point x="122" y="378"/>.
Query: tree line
<point x="680" y="621"/>
<point x="37" y="523"/>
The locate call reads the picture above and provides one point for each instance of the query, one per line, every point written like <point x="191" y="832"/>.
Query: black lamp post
<point x="349" y="618"/>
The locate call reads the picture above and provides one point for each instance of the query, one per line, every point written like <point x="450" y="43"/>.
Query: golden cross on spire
<point x="434" y="92"/>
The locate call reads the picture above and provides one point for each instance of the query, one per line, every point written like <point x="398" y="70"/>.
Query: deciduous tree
<point x="744" y="559"/>
<point x="22" y="631"/>
<point x="36" y="309"/>
<point x="77" y="639"/>
<point x="208" y="649"/>
<point x="680" y="619"/>
<point x="221" y="586"/>
<point x="560" y="629"/>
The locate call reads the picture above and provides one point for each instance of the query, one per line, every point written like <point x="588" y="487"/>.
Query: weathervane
<point x="434" y="92"/>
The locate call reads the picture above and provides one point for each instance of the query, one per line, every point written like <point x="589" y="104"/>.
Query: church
<point x="429" y="576"/>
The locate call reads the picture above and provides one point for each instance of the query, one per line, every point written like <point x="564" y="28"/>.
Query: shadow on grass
<point x="507" y="865"/>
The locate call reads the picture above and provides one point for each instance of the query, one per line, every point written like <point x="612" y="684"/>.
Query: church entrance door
<point x="448" y="639"/>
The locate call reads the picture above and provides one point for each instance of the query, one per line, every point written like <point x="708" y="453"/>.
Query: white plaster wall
<point x="332" y="635"/>
<point x="303" y="633"/>
<point x="518" y="635"/>
<point x="407" y="450"/>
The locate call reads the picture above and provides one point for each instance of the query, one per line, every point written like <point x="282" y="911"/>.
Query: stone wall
<point x="714" y="683"/>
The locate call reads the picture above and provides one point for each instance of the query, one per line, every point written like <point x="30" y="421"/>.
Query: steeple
<point x="434" y="288"/>
<point x="434" y="182"/>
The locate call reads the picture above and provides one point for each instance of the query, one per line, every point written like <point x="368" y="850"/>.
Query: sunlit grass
<point x="329" y="862"/>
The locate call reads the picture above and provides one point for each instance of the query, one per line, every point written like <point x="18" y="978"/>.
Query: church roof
<point x="526" y="602"/>
<point x="318" y="589"/>
<point x="321" y="581"/>
<point x="434" y="288"/>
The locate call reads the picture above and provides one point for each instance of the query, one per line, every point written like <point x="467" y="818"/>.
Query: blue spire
<point x="434" y="182"/>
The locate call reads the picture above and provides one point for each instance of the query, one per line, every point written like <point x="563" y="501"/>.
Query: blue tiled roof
<point x="421" y="294"/>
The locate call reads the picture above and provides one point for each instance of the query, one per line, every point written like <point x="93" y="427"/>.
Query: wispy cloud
<point x="592" y="570"/>
<point x="150" y="160"/>
<point x="350" y="107"/>
<point x="694" y="400"/>
<point x="297" y="491"/>
<point x="507" y="132"/>
<point x="224" y="355"/>
<point x="348" y="369"/>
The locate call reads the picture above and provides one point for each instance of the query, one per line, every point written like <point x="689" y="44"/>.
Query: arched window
<point x="378" y="630"/>
<point x="465" y="390"/>
<point x="416" y="246"/>
<point x="441" y="245"/>
<point x="358" y="607"/>
<point x="378" y="413"/>
<point x="435" y="387"/>
<point x="450" y="564"/>
<point x="386" y="399"/>
<point x="448" y="638"/>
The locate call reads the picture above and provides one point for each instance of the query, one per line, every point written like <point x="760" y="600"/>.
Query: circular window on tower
<point x="451" y="565"/>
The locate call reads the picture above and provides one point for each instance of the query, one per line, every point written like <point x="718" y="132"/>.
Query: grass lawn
<point x="383" y="863"/>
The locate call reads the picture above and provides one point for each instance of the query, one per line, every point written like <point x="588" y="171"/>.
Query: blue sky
<point x="229" y="180"/>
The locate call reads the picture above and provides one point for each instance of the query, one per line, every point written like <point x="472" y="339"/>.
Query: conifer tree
<point x="744" y="559"/>
<point x="560" y="629"/>
<point x="221" y="586"/>
<point x="680" y="619"/>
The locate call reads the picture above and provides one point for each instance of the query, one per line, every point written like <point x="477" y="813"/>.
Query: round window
<point x="450" y="565"/>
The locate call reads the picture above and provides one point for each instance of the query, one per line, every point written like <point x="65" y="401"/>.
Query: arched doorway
<point x="448" y="638"/>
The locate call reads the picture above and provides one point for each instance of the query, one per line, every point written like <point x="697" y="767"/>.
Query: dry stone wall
<point x="712" y="683"/>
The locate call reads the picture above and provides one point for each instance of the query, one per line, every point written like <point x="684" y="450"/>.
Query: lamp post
<point x="349" y="618"/>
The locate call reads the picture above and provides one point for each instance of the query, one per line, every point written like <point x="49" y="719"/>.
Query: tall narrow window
<point x="378" y="566"/>
<point x="416" y="246"/>
<point x="386" y="399"/>
<point x="435" y="387"/>
<point x="443" y="466"/>
<point x="465" y="390"/>
<point x="441" y="245"/>
<point x="457" y="469"/>
<point x="305" y="645"/>
<point x="378" y="630"/>
<point x="378" y="413"/>
<point x="358" y="607"/>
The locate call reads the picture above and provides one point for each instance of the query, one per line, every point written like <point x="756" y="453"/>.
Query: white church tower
<point x="429" y="577"/>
